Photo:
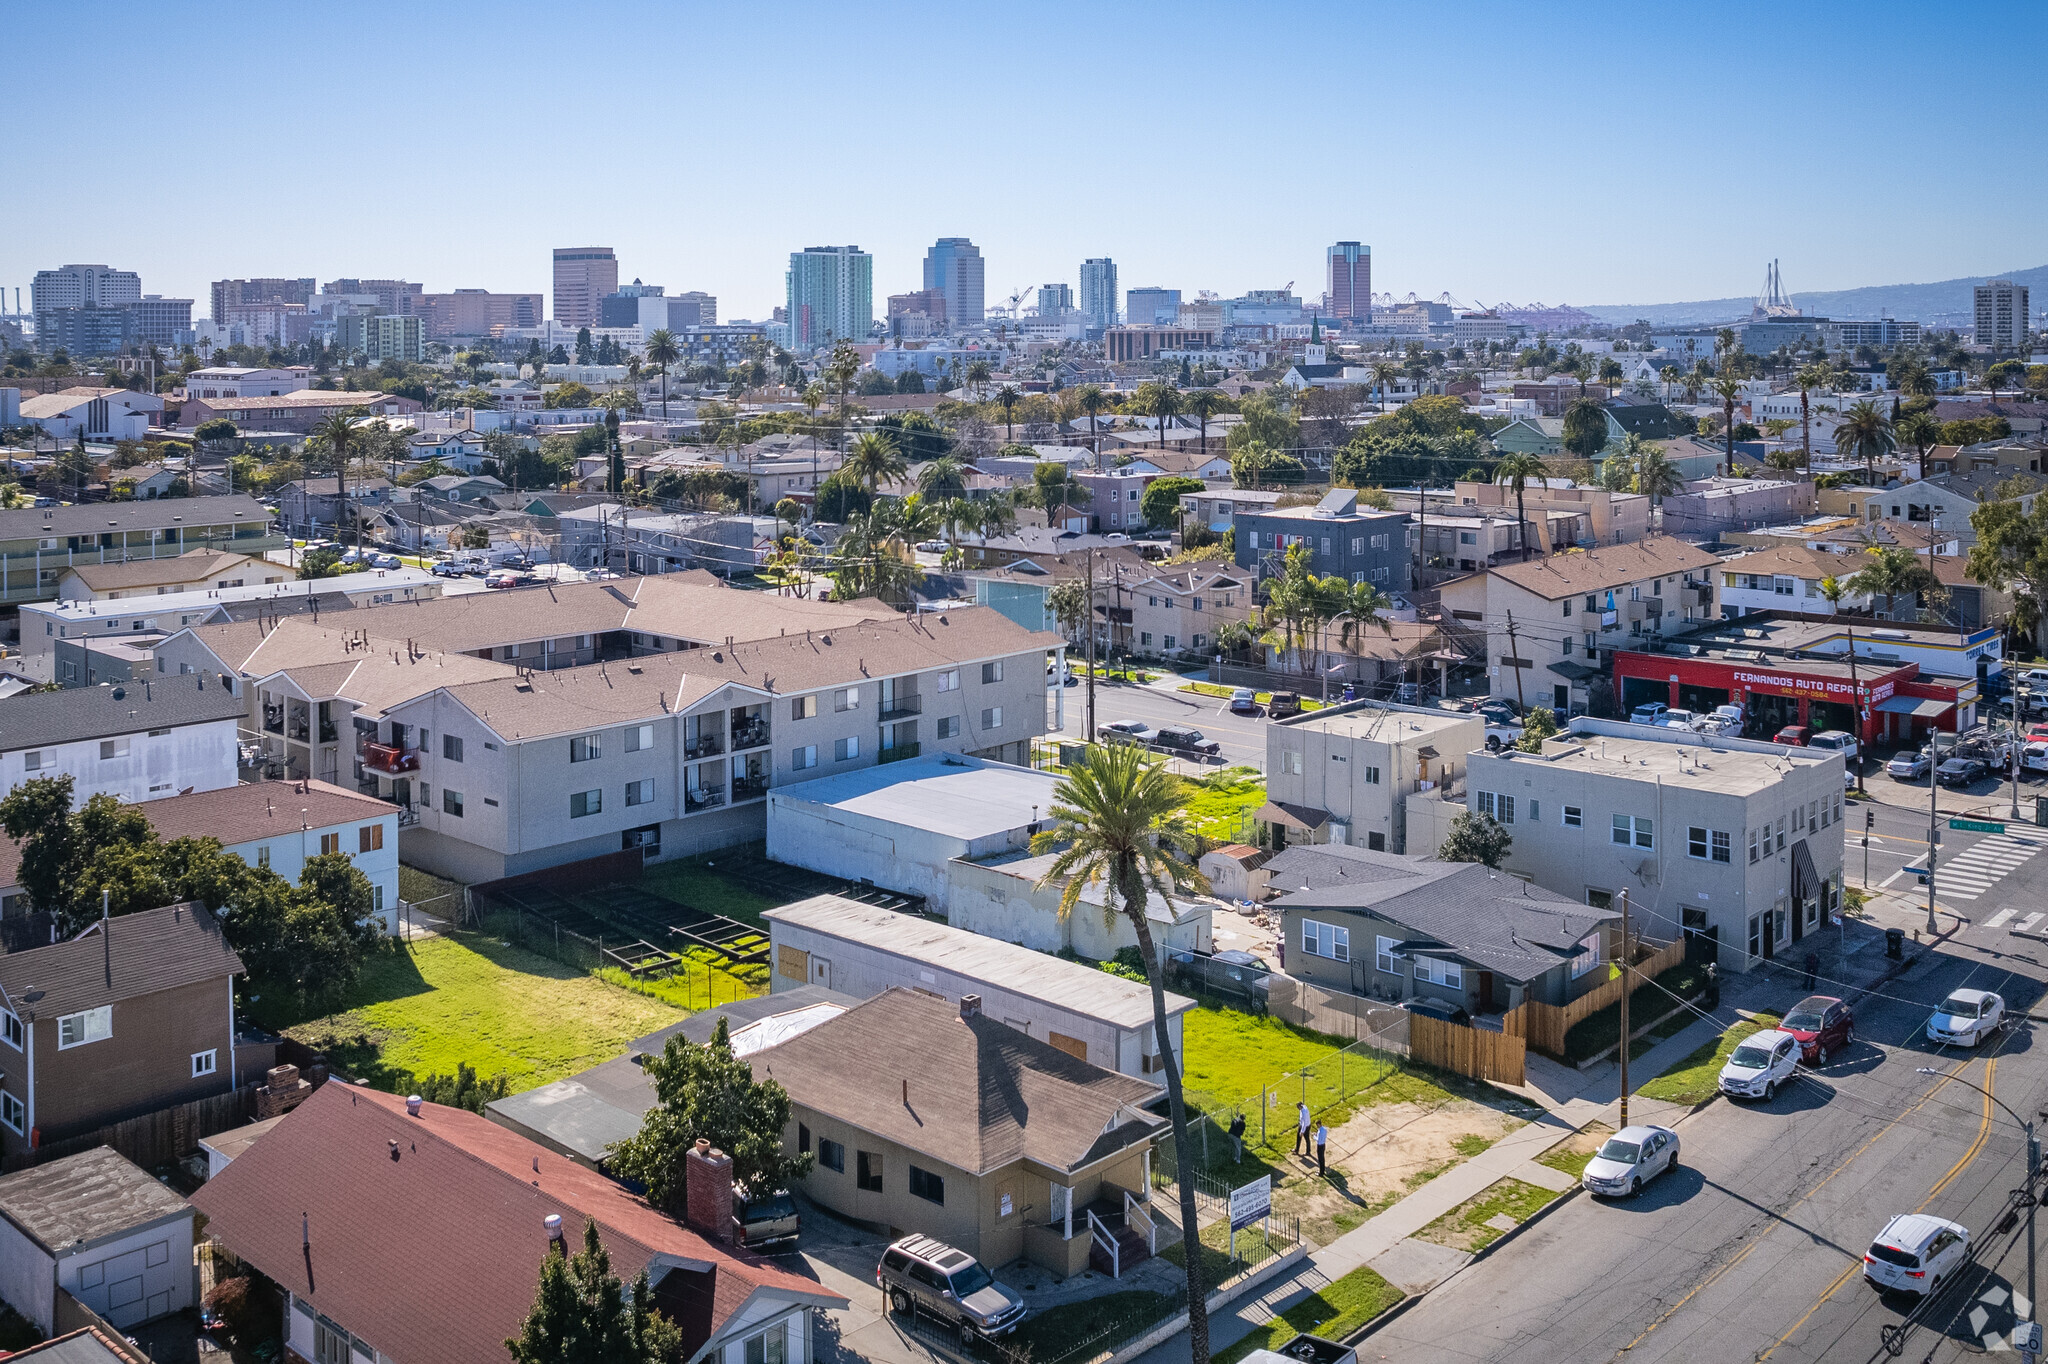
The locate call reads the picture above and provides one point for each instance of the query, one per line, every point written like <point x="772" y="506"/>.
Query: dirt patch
<point x="1571" y="1155"/>
<point x="1383" y="1153"/>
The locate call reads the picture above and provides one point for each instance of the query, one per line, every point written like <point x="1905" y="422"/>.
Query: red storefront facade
<point x="1889" y="702"/>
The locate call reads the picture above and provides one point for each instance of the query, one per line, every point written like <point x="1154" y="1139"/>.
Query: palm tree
<point x="1834" y="589"/>
<point x="978" y="375"/>
<point x="1117" y="820"/>
<point x="1007" y="398"/>
<point x="1361" y="605"/>
<point x="1656" y="477"/>
<point x="342" y="434"/>
<point x="1158" y="400"/>
<point x="1206" y="403"/>
<point x="1866" y="433"/>
<point x="1516" y="471"/>
<point x="1728" y="388"/>
<point x="1382" y="371"/>
<point x="1670" y="375"/>
<point x="1248" y="465"/>
<point x="941" y="477"/>
<point x="662" y="352"/>
<point x="1893" y="571"/>
<point x="874" y="460"/>
<point x="1808" y="378"/>
<point x="1920" y="430"/>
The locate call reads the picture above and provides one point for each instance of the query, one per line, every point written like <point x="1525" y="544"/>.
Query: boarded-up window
<point x="793" y="963"/>
<point x="1072" y="1046"/>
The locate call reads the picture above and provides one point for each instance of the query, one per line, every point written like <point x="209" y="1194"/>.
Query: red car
<point x="1823" y="1024"/>
<point x="1796" y="735"/>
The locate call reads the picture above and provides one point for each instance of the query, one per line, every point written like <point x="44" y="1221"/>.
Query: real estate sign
<point x="1251" y="1202"/>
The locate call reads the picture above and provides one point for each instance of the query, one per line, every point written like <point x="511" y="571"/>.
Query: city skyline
<point x="1465" y="217"/>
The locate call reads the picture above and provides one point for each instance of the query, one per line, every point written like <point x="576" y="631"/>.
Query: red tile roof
<point x="437" y="1254"/>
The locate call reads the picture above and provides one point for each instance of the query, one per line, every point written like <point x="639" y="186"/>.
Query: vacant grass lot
<point x="469" y="998"/>
<point x="1333" y="1313"/>
<point x="1219" y="803"/>
<point x="1232" y="1055"/>
<point x="1694" y="1078"/>
<point x="1468" y="1226"/>
<point x="699" y="884"/>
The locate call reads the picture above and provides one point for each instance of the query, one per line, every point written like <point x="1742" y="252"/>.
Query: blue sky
<point x="1577" y="153"/>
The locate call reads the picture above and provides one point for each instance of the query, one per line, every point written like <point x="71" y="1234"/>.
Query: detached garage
<point x="99" y="1228"/>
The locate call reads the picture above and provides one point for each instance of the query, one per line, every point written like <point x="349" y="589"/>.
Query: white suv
<point x="1915" y="1254"/>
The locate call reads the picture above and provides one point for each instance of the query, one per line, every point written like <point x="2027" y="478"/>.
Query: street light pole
<point x="1933" y="820"/>
<point x="2033" y="1175"/>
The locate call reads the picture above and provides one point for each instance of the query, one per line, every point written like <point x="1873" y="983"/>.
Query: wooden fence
<point x="158" y="1138"/>
<point x="1467" y="1051"/>
<point x="1543" y="1026"/>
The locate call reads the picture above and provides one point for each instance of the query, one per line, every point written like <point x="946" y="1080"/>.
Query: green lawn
<point x="1693" y="1079"/>
<point x="1053" y="1335"/>
<point x="1263" y="698"/>
<point x="1217" y="1265"/>
<point x="1231" y="1055"/>
<point x="1333" y="1313"/>
<point x="1218" y="803"/>
<point x="1564" y="1158"/>
<point x="1465" y="1227"/>
<point x="703" y="887"/>
<point x="504" y="1010"/>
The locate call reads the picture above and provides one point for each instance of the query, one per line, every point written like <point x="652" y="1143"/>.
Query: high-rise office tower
<point x="1350" y="286"/>
<point x="396" y="297"/>
<point x="2002" y="314"/>
<point x="831" y="295"/>
<point x="229" y="292"/>
<point x="583" y="275"/>
<point x="1098" y="291"/>
<point x="1054" y="299"/>
<point x="953" y="266"/>
<point x="1145" y="307"/>
<point x="84" y="286"/>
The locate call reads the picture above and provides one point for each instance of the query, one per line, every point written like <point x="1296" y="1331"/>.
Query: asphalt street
<point x="1752" y="1250"/>
<point x="1243" y="737"/>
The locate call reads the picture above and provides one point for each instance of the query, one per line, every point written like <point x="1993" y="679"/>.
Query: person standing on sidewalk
<point x="1322" y="1150"/>
<point x="1301" y="1126"/>
<point x="1237" y="1137"/>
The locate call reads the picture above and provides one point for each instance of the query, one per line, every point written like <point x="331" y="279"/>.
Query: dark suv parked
<point x="1180" y="740"/>
<point x="770" y="1222"/>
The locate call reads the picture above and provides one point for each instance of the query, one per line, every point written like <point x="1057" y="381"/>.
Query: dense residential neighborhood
<point x="710" y="799"/>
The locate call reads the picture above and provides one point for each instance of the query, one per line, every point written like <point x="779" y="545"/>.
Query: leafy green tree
<point x="1518" y="471"/>
<point x="462" y="1089"/>
<point x="582" y="1314"/>
<point x="1585" y="428"/>
<point x="1068" y="602"/>
<point x="841" y="497"/>
<point x="1055" y="485"/>
<point x="1118" y="820"/>
<point x="704" y="1091"/>
<point x="215" y="428"/>
<point x="1475" y="838"/>
<point x="916" y="435"/>
<point x="571" y="394"/>
<point x="324" y="562"/>
<point x="910" y="381"/>
<point x="1266" y="421"/>
<point x="2011" y="553"/>
<point x="583" y="346"/>
<point x="1538" y="725"/>
<point x="1161" y="502"/>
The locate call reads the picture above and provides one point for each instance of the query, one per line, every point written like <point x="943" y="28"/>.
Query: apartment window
<point x="204" y="1063"/>
<point x="10" y="1030"/>
<point x="992" y="672"/>
<point x="451" y="747"/>
<point x="1383" y="955"/>
<point x="1645" y="833"/>
<point x="1171" y="642"/>
<point x="1371" y="774"/>
<point x="1696" y="842"/>
<point x="949" y="727"/>
<point x="928" y="1186"/>
<point x="263" y="856"/>
<point x="1358" y="544"/>
<point x="1781" y="835"/>
<point x="1326" y="543"/>
<point x="844" y="750"/>
<point x="451" y="802"/>
<point x="1812" y="813"/>
<point x="801" y="758"/>
<point x="370" y="838"/>
<point x="586" y="748"/>
<point x="949" y="680"/>
<point x="1574" y="817"/>
<point x="639" y="738"/>
<point x="1752" y="846"/>
<point x="832" y="1155"/>
<point x="1497" y="807"/>
<point x="803" y="707"/>
<point x="1722" y="851"/>
<point x="772" y="1345"/>
<point x="330" y="843"/>
<point x="867" y="1174"/>
<point x="992" y="718"/>
<point x="847" y="699"/>
<point x="1642" y="829"/>
<point x="92" y="1025"/>
<point x="1325" y="940"/>
<point x="113" y="748"/>
<point x="12" y="1112"/>
<point x="34" y="760"/>
<point x="1145" y="638"/>
<point x="803" y="1139"/>
<point x="583" y="803"/>
<point x="1290" y="762"/>
<point x="640" y="792"/>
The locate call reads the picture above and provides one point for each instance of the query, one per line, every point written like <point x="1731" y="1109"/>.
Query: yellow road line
<point x="1983" y="1132"/>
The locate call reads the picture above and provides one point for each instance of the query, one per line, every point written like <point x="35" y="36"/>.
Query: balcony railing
<point x="694" y="801"/>
<point x="328" y="734"/>
<point x="750" y="734"/>
<point x="902" y="707"/>
<point x="391" y="759"/>
<point x="704" y="746"/>
<point x="749" y="790"/>
<point x="896" y="753"/>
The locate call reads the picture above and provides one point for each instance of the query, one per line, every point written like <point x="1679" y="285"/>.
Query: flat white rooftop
<point x="955" y="797"/>
<point x="405" y="582"/>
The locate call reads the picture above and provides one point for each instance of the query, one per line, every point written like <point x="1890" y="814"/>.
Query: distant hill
<point x="1948" y="301"/>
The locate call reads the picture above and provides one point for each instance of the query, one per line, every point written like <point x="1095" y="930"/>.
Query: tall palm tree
<point x="1516" y="471"/>
<point x="1866" y="433"/>
<point x="1158" y="400"/>
<point x="942" y="477"/>
<point x="1361" y="607"/>
<point x="1206" y="403"/>
<point x="342" y="435"/>
<point x="874" y="460"/>
<point x="1808" y="378"/>
<point x="1382" y="371"/>
<point x="1117" y="821"/>
<point x="662" y="352"/>
<point x="1670" y="374"/>
<point x="1727" y="388"/>
<point x="1920" y="430"/>
<point x="1007" y="398"/>
<point x="1656" y="477"/>
<point x="978" y="375"/>
<point x="1893" y="571"/>
<point x="1834" y="589"/>
<point x="1248" y="465"/>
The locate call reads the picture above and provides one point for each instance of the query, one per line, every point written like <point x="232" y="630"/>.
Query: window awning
<point x="1302" y="817"/>
<point x="1919" y="707"/>
<point x="1576" y="671"/>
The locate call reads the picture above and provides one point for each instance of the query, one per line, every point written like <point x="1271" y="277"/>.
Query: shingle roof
<point x="239" y="814"/>
<point x="193" y="566"/>
<point x="974" y="1093"/>
<point x="1489" y="921"/>
<point x="1800" y="562"/>
<point x="436" y="1254"/>
<point x="1592" y="570"/>
<point x="305" y="397"/>
<point x="34" y="719"/>
<point x="96" y="518"/>
<point x="85" y="1198"/>
<point x="140" y="954"/>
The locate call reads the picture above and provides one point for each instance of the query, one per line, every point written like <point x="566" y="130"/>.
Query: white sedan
<point x="1966" y="1018"/>
<point x="1630" y="1159"/>
<point x="1761" y="1062"/>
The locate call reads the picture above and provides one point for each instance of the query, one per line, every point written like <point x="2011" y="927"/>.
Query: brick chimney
<point x="970" y="1006"/>
<point x="707" y="1190"/>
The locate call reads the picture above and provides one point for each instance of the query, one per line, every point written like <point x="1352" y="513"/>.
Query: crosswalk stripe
<point x="1949" y="876"/>
<point x="2000" y="919"/>
<point x="2024" y="924"/>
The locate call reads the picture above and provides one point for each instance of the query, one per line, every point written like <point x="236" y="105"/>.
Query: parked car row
<point x="1171" y="739"/>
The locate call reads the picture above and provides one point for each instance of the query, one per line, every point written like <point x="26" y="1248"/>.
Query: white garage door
<point x="132" y="1286"/>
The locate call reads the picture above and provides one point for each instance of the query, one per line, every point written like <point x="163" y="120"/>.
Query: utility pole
<point x="2018" y="740"/>
<point x="1515" y="656"/>
<point x="1626" y="954"/>
<point x="1933" y="819"/>
<point x="1088" y="627"/>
